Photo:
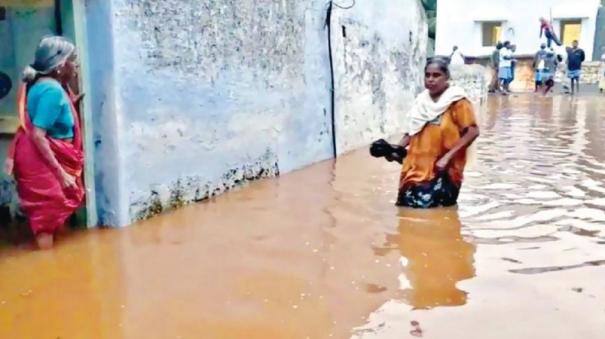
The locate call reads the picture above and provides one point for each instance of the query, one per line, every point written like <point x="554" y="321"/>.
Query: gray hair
<point x="440" y="61"/>
<point x="52" y="53"/>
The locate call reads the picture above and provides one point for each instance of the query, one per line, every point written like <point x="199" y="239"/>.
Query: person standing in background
<point x="575" y="58"/>
<point x="539" y="66"/>
<point x="513" y="49"/>
<point x="551" y="62"/>
<point x="46" y="156"/>
<point x="456" y="58"/>
<point x="495" y="64"/>
<point x="505" y="73"/>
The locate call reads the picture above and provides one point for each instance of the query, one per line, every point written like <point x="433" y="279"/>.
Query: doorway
<point x="571" y="30"/>
<point x="22" y="24"/>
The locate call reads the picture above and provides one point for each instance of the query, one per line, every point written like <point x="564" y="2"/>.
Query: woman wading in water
<point x="46" y="156"/>
<point x="441" y="126"/>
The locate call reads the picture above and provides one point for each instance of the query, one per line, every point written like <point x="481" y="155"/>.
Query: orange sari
<point x="421" y="185"/>
<point x="433" y="142"/>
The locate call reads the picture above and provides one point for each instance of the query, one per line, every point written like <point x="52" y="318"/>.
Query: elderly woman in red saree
<point x="46" y="157"/>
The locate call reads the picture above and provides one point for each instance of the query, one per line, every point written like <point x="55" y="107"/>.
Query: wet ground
<point x="323" y="252"/>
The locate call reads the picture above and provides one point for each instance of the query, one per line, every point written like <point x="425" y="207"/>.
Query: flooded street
<point x="324" y="253"/>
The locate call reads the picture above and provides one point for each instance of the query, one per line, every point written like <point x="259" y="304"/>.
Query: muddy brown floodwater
<point x="323" y="253"/>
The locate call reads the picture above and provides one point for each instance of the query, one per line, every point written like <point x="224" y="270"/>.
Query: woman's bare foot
<point x="44" y="241"/>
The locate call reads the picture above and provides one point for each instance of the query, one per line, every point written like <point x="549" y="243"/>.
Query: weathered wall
<point x="525" y="77"/>
<point x="475" y="79"/>
<point x="379" y="50"/>
<point x="107" y="120"/>
<point x="191" y="98"/>
<point x="211" y="94"/>
<point x="590" y="73"/>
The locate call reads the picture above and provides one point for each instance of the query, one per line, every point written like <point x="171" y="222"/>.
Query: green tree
<point x="430" y="7"/>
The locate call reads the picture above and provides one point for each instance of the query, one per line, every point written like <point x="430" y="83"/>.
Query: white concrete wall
<point x="459" y="23"/>
<point x="190" y="98"/>
<point x="379" y="51"/>
<point x="210" y="94"/>
<point x="213" y="94"/>
<point x="475" y="79"/>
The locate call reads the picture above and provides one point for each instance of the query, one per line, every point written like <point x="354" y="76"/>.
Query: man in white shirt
<point x="505" y="73"/>
<point x="456" y="58"/>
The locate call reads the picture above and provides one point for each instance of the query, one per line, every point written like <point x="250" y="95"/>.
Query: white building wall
<point x="211" y="94"/>
<point x="379" y="52"/>
<point x="459" y="23"/>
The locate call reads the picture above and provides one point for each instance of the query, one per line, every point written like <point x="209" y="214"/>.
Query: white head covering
<point x="426" y="110"/>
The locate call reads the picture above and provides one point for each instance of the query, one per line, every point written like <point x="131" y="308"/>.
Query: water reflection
<point x="435" y="257"/>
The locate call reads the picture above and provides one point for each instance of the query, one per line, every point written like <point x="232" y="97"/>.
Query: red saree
<point x="45" y="202"/>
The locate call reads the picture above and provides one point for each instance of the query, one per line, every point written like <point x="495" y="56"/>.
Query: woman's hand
<point x="467" y="139"/>
<point x="442" y="163"/>
<point x="78" y="99"/>
<point x="39" y="138"/>
<point x="67" y="181"/>
<point x="405" y="141"/>
<point x="9" y="166"/>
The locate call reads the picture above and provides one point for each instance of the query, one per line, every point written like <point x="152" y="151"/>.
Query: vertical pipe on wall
<point x="328" y="24"/>
<point x="332" y="78"/>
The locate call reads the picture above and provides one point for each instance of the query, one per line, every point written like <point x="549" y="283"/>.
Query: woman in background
<point x="46" y="156"/>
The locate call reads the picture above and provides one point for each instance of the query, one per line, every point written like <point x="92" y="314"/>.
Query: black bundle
<point x="381" y="148"/>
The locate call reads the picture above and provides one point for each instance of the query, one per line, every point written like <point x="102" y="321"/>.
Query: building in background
<point x="477" y="25"/>
<point x="599" y="43"/>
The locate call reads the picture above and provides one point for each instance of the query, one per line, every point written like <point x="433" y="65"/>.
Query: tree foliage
<point x="430" y="7"/>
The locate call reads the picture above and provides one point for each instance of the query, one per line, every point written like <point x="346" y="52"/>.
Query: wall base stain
<point x="194" y="189"/>
<point x="214" y="84"/>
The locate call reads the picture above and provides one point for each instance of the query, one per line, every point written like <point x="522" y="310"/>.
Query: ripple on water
<point x="537" y="187"/>
<point x="322" y="251"/>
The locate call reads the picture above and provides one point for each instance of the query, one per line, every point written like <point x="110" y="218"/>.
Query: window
<point x="570" y="30"/>
<point x="492" y="33"/>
